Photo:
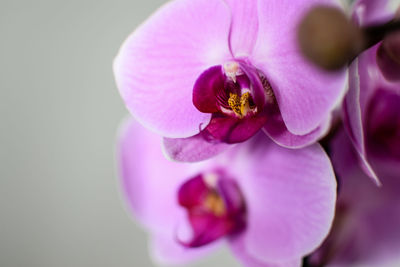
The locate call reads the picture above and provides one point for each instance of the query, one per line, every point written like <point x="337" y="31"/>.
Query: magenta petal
<point x="207" y="229"/>
<point x="206" y="88"/>
<point x="159" y="63"/>
<point x="258" y="90"/>
<point x="244" y="27"/>
<point x="238" y="248"/>
<point x="232" y="130"/>
<point x="306" y="95"/>
<point x="193" y="192"/>
<point x="297" y="189"/>
<point x="192" y="149"/>
<point x="206" y="223"/>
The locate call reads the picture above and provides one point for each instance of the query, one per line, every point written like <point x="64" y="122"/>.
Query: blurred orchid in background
<point x="365" y="230"/>
<point x="217" y="72"/>
<point x="376" y="128"/>
<point x="371" y="109"/>
<point x="366" y="227"/>
<point x="271" y="204"/>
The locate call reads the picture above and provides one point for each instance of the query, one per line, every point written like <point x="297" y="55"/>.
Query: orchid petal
<point x="193" y="149"/>
<point x="238" y="246"/>
<point x="143" y="169"/>
<point x="352" y="109"/>
<point x="206" y="89"/>
<point x="367" y="234"/>
<point x="305" y="94"/>
<point x="167" y="251"/>
<point x="158" y="64"/>
<point x="297" y="189"/>
<point x="244" y="27"/>
<point x="363" y="76"/>
<point x="234" y="130"/>
<point x="276" y="129"/>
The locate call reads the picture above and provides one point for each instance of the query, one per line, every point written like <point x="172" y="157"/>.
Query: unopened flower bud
<point x="328" y="38"/>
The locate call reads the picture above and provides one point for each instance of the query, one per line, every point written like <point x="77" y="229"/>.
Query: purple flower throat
<point x="215" y="207"/>
<point x="237" y="95"/>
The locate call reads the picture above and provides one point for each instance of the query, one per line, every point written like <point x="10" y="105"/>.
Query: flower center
<point x="215" y="207"/>
<point x="241" y="105"/>
<point x="235" y="97"/>
<point x="238" y="96"/>
<point x="215" y="204"/>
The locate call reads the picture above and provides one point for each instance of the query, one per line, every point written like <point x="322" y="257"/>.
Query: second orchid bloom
<point x="271" y="204"/>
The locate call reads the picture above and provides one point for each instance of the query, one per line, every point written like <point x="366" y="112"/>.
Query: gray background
<point x="59" y="198"/>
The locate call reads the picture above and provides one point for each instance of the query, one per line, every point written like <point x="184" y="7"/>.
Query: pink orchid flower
<point x="218" y="71"/>
<point x="371" y="106"/>
<point x="365" y="231"/>
<point x="270" y="204"/>
<point x="372" y="114"/>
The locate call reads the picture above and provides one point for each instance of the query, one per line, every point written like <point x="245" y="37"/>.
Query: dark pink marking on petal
<point x="234" y="130"/>
<point x="214" y="210"/>
<point x="193" y="192"/>
<point x="257" y="89"/>
<point x="207" y="228"/>
<point x="220" y="127"/>
<point x="206" y="88"/>
<point x="234" y="202"/>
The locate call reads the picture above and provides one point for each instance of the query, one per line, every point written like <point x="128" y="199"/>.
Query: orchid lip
<point x="215" y="207"/>
<point x="236" y="94"/>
